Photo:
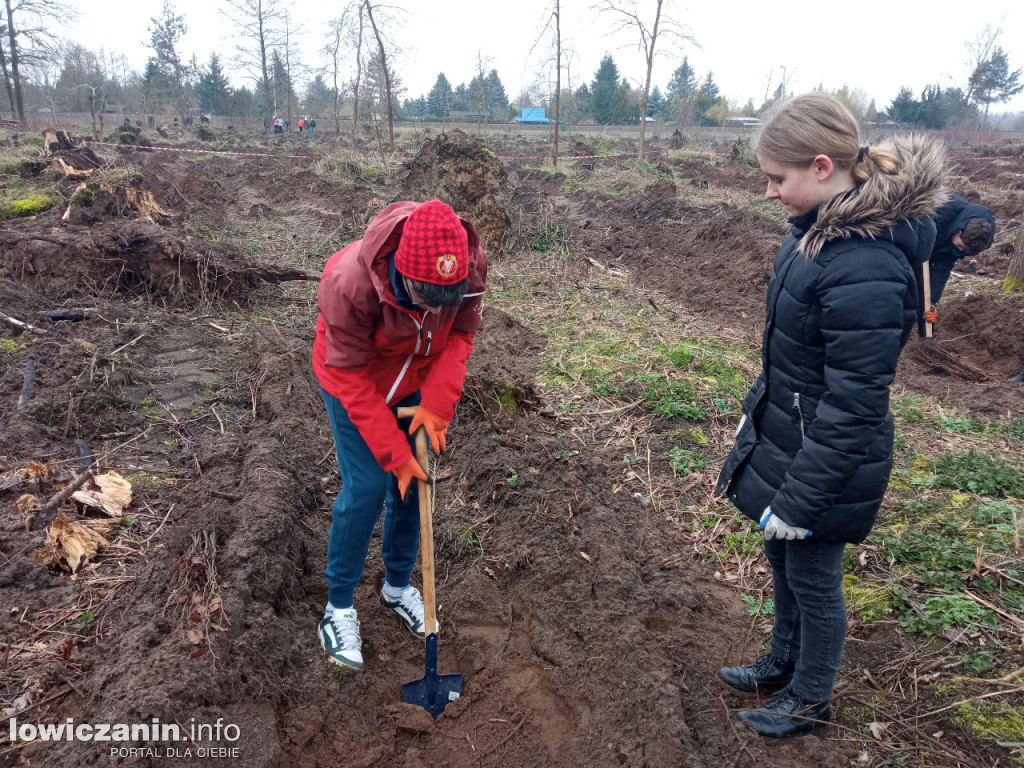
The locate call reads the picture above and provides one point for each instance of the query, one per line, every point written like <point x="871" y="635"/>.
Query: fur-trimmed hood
<point x="884" y="201"/>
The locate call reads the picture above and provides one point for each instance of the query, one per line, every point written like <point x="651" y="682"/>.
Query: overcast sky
<point x="876" y="46"/>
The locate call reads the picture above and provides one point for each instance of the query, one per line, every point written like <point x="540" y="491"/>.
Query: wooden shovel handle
<point x="426" y="527"/>
<point x="926" y="280"/>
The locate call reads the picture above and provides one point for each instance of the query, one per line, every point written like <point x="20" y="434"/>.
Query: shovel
<point x="434" y="692"/>
<point x="926" y="286"/>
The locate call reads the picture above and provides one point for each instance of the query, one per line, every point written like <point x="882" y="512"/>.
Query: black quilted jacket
<point x="817" y="442"/>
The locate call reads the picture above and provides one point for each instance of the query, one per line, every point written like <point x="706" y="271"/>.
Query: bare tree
<point x="359" y="70"/>
<point x="96" y="94"/>
<point x="628" y="17"/>
<point x="4" y="70"/>
<point x="483" y="101"/>
<point x="259" y="26"/>
<point x="27" y="25"/>
<point x="558" y="77"/>
<point x="553" y="22"/>
<point x="346" y="29"/>
<point x="385" y="66"/>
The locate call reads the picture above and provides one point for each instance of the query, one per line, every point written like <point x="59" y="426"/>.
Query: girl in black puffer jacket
<point x="814" y="448"/>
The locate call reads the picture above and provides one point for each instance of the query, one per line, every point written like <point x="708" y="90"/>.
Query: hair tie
<point x="862" y="153"/>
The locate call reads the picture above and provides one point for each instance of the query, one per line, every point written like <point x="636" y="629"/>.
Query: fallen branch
<point x="125" y="346"/>
<point x="65" y="493"/>
<point x="955" y="704"/>
<point x="19" y="324"/>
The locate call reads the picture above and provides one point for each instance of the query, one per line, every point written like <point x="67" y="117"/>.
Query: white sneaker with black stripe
<point x="409" y="608"/>
<point x="339" y="636"/>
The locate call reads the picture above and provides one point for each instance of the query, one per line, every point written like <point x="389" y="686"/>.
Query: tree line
<point x="43" y="72"/>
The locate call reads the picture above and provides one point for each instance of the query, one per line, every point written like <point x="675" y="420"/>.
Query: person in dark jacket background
<point x="399" y="309"/>
<point x="813" y="451"/>
<point x="962" y="229"/>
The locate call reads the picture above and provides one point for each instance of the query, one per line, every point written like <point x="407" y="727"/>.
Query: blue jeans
<point x="366" y="489"/>
<point x="810" y="613"/>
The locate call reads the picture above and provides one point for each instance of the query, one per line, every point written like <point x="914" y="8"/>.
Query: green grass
<point x="980" y="473"/>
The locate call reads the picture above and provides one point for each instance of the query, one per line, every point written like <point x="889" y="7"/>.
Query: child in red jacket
<point x="398" y="312"/>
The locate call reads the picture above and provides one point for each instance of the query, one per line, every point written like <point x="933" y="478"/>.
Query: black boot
<point x="1019" y="377"/>
<point x="767" y="674"/>
<point x="786" y="715"/>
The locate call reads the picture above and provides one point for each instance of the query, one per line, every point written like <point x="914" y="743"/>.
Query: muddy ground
<point x="585" y="624"/>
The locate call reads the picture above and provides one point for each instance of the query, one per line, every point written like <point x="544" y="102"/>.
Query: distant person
<point x="302" y="124"/>
<point x="312" y="127"/>
<point x="266" y="125"/>
<point x="963" y="229"/>
<point x="398" y="312"/>
<point x="813" y="450"/>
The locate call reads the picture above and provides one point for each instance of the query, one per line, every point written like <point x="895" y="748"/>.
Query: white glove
<point x="740" y="427"/>
<point x="775" y="527"/>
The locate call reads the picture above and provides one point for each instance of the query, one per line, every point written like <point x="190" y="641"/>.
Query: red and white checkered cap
<point x="434" y="247"/>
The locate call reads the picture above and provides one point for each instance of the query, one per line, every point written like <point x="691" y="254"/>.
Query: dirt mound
<point x="977" y="346"/>
<point x="460" y="170"/>
<point x="715" y="259"/>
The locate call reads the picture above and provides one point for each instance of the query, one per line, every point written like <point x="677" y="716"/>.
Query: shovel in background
<point x="926" y="289"/>
<point x="434" y="692"/>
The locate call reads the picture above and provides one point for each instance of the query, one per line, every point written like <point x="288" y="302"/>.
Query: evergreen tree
<point x="709" y="88"/>
<point x="243" y="103"/>
<point x="415" y="108"/>
<point x="319" y="98"/>
<point x="213" y="89"/>
<point x="871" y="115"/>
<point x="158" y="89"/>
<point x="683" y="82"/>
<point x="993" y="82"/>
<point x="461" y="99"/>
<point x="904" y="108"/>
<point x="280" y="84"/>
<point x="375" y="84"/>
<point x="938" y="107"/>
<point x="497" y="98"/>
<point x="626" y="104"/>
<point x="710" y="108"/>
<point x="656" y="104"/>
<point x="579" y="105"/>
<point x="604" y="92"/>
<point x="440" y="97"/>
<point x="165" y="39"/>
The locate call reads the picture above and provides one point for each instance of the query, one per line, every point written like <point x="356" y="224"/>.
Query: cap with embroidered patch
<point x="434" y="247"/>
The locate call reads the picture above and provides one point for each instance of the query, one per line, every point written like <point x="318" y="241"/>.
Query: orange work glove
<point x="932" y="314"/>
<point x="436" y="427"/>
<point x="406" y="473"/>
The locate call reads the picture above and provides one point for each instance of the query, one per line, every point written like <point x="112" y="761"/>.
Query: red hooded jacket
<point x="370" y="352"/>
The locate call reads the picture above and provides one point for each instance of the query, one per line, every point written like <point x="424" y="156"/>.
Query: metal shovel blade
<point x="434" y="692"/>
